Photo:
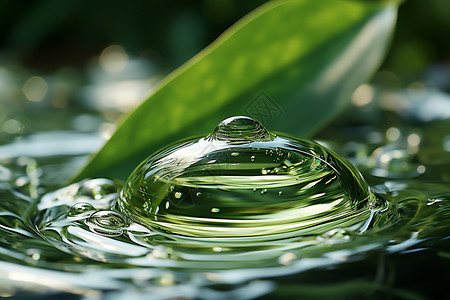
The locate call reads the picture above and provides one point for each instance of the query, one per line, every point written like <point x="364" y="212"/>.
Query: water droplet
<point x="287" y="258"/>
<point x="34" y="254"/>
<point x="334" y="236"/>
<point x="166" y="279"/>
<point x="97" y="188"/>
<point x="162" y="252"/>
<point x="106" y="222"/>
<point x="241" y="129"/>
<point x="80" y="208"/>
<point x="313" y="181"/>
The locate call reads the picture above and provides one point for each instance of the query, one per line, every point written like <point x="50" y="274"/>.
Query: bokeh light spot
<point x="35" y="88"/>
<point x="113" y="59"/>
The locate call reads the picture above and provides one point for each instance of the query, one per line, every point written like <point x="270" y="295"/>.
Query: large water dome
<point x="242" y="181"/>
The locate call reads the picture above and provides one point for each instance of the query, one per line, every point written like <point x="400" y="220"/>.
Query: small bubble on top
<point x="241" y="129"/>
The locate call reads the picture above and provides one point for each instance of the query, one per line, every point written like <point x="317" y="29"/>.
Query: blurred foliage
<point x="421" y="39"/>
<point x="291" y="64"/>
<point x="50" y="33"/>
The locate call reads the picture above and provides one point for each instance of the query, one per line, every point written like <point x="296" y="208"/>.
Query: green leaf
<point x="291" y="64"/>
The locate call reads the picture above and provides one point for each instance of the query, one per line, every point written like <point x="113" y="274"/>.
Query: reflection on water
<point x="73" y="239"/>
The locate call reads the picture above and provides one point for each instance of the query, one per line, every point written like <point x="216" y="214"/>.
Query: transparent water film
<point x="243" y="184"/>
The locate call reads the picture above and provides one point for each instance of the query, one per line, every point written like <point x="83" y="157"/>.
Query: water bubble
<point x="241" y="129"/>
<point x="161" y="252"/>
<point x="334" y="236"/>
<point x="106" y="222"/>
<point x="34" y="254"/>
<point x="317" y="186"/>
<point x="80" y="208"/>
<point x="166" y="279"/>
<point x="287" y="258"/>
<point x="97" y="188"/>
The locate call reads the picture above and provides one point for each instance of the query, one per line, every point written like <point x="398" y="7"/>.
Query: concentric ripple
<point x="243" y="184"/>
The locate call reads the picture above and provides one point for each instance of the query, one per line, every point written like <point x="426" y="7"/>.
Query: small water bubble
<point x="234" y="154"/>
<point x="280" y="193"/>
<point x="166" y="279"/>
<point x="178" y="195"/>
<point x="97" y="188"/>
<point x="198" y="194"/>
<point x="34" y="254"/>
<point x="106" y="222"/>
<point x="162" y="252"/>
<point x="287" y="258"/>
<point x="215" y="210"/>
<point x="22" y="181"/>
<point x="334" y="236"/>
<point x="263" y="191"/>
<point x="252" y="158"/>
<point x="421" y="169"/>
<point x="241" y="129"/>
<point x="80" y="208"/>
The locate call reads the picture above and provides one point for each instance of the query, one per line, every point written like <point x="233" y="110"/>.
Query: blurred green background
<point x="105" y="57"/>
<point x="46" y="35"/>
